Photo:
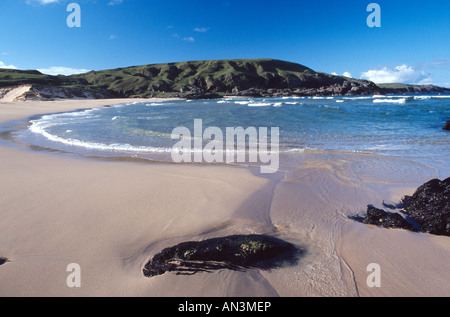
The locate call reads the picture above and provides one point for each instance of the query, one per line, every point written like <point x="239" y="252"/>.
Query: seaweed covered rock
<point x="233" y="252"/>
<point x="429" y="206"/>
<point x="382" y="218"/>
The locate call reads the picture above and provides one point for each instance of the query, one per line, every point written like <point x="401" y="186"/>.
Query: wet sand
<point x="111" y="217"/>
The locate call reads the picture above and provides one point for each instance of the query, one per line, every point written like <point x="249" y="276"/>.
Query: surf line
<point x="212" y="145"/>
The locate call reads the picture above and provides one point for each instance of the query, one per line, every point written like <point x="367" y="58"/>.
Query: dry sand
<point x="110" y="217"/>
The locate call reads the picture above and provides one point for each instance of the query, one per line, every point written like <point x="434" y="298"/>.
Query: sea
<point x="400" y="126"/>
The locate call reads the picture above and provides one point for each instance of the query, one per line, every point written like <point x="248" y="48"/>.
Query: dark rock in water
<point x="3" y="260"/>
<point x="447" y="126"/>
<point x="233" y="252"/>
<point x="385" y="219"/>
<point x="429" y="206"/>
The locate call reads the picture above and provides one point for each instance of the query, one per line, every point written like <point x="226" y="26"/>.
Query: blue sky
<point x="412" y="45"/>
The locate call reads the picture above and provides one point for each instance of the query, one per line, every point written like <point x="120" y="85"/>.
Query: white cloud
<point x="2" y="65"/>
<point x="201" y="30"/>
<point x="59" y="70"/>
<point x="189" y="39"/>
<point x="347" y="74"/>
<point x="114" y="2"/>
<point x="400" y="74"/>
<point x="112" y="37"/>
<point x="43" y="2"/>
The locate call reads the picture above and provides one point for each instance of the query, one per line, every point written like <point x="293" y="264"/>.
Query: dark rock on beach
<point x="3" y="260"/>
<point x="382" y="218"/>
<point x="447" y="126"/>
<point x="236" y="252"/>
<point x="429" y="206"/>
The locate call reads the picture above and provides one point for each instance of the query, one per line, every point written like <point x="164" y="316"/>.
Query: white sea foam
<point x="358" y="98"/>
<point x="259" y="104"/>
<point x="40" y="127"/>
<point x="323" y="98"/>
<point x="385" y="147"/>
<point x="153" y="104"/>
<point x="278" y="104"/>
<point x="301" y="150"/>
<point x="127" y="104"/>
<point x="242" y="102"/>
<point x="402" y="100"/>
<point x="152" y="118"/>
<point x="295" y="150"/>
<point x="331" y="107"/>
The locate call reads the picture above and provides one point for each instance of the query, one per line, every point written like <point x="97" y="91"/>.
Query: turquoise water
<point x="404" y="126"/>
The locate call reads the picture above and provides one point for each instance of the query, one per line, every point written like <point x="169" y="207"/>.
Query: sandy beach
<point x="111" y="217"/>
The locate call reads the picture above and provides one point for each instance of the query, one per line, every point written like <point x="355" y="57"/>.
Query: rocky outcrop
<point x="411" y="89"/>
<point x="427" y="210"/>
<point x="382" y="218"/>
<point x="447" y="126"/>
<point x="233" y="252"/>
<point x="429" y="206"/>
<point x="199" y="94"/>
<point x="345" y="88"/>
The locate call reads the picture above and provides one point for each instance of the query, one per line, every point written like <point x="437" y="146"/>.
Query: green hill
<point x="254" y="76"/>
<point x="202" y="79"/>
<point x="15" y="77"/>
<point x="220" y="76"/>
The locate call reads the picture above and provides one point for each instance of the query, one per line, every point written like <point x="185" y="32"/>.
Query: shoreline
<point x="111" y="216"/>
